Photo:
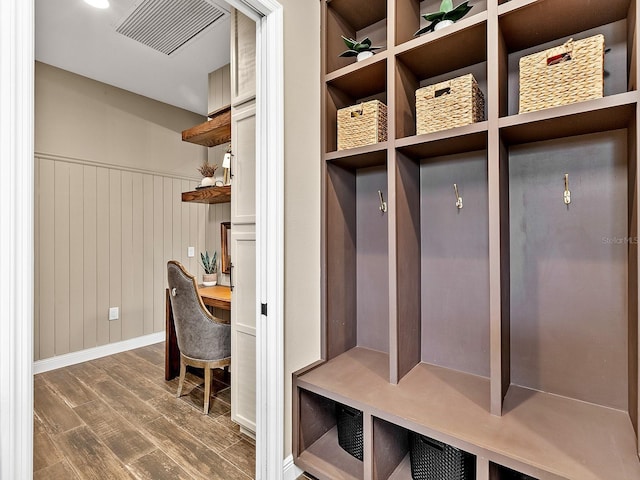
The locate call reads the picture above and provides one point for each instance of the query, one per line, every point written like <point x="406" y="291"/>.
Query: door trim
<point x="16" y="249"/>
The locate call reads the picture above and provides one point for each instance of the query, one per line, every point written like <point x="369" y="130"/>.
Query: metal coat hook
<point x="567" y="192"/>
<point x="383" y="204"/>
<point x="458" y="197"/>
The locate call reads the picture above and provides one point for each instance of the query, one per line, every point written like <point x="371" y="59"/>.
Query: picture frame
<point x="225" y="243"/>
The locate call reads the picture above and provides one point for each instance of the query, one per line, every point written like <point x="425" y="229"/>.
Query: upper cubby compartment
<point x="409" y="17"/>
<point x="354" y="19"/>
<point x="527" y="27"/>
<point x="457" y="50"/>
<point x="350" y="86"/>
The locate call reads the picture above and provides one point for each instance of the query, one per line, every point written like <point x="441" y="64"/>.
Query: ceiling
<point x="82" y="39"/>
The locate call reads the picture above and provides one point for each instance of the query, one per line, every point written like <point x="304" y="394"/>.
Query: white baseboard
<point x="290" y="470"/>
<point x="73" y="358"/>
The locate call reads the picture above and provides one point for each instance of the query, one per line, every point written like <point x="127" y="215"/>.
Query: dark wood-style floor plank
<point x="45" y="453"/>
<point x="122" y="438"/>
<point x="243" y="456"/>
<point x="190" y="453"/>
<point x="69" y="387"/>
<point x="56" y="415"/>
<point x="90" y="457"/>
<point x="58" y="471"/>
<point x="125" y="402"/>
<point x="158" y="466"/>
<point x="217" y="436"/>
<point x="135" y="380"/>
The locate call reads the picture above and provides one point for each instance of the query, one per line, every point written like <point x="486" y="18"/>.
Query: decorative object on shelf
<point x="383" y="204"/>
<point x="226" y="166"/>
<point x="362" y="124"/>
<point x="567" y="192"/>
<point x="570" y="73"/>
<point x="449" y="104"/>
<point x="225" y="242"/>
<point x="458" y="197"/>
<point x="444" y="17"/>
<point x="433" y="459"/>
<point x="207" y="171"/>
<point x="210" y="267"/>
<point x="361" y="50"/>
<point x="350" y="430"/>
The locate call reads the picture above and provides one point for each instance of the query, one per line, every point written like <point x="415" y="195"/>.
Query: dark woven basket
<point x="434" y="460"/>
<point x="349" y="422"/>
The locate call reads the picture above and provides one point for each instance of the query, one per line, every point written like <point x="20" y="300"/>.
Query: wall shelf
<point x="208" y="195"/>
<point x="215" y="131"/>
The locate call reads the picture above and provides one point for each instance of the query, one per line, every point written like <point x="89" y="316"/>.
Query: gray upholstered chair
<point x="204" y="340"/>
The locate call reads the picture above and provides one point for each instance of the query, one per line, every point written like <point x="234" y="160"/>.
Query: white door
<point x="243" y="326"/>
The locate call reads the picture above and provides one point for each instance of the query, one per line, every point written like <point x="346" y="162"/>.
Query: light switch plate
<point x="191" y="252"/>
<point x="114" y="313"/>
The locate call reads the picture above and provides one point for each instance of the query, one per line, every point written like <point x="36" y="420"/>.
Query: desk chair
<point x="204" y="340"/>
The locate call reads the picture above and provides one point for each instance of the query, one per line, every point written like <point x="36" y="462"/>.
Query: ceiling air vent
<point x="166" y="25"/>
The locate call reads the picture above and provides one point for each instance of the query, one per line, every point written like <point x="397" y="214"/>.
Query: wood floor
<point x="117" y="418"/>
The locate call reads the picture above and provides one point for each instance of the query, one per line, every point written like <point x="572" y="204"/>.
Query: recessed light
<point x="98" y="3"/>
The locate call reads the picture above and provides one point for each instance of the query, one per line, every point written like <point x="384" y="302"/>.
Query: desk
<point x="218" y="296"/>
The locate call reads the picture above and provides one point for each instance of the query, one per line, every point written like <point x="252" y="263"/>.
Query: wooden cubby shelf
<point x="507" y="328"/>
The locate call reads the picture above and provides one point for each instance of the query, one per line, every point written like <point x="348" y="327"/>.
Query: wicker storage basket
<point x="434" y="460"/>
<point x="449" y="104"/>
<point x="349" y="422"/>
<point x="570" y="73"/>
<point x="362" y="124"/>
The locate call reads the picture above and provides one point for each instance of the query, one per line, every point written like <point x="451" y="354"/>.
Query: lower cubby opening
<point x="330" y="437"/>
<point x="401" y="454"/>
<point x="498" y="472"/>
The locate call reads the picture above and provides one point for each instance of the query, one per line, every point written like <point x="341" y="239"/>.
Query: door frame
<point x="17" y="192"/>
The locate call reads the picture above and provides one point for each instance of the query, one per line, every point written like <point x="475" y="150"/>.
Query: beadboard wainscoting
<point x="103" y="236"/>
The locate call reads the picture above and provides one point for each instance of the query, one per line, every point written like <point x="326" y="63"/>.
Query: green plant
<point x="207" y="170"/>
<point x="446" y="12"/>
<point x="356" y="47"/>
<point x="209" y="264"/>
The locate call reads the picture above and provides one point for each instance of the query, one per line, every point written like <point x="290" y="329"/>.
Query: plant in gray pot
<point x="361" y="50"/>
<point x="444" y="17"/>
<point x="210" y="267"/>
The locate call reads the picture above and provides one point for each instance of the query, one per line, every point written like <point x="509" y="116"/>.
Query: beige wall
<point x="302" y="190"/>
<point x="110" y="166"/>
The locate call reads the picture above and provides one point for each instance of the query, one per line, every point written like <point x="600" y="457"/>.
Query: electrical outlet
<point x="191" y="252"/>
<point x="114" y="313"/>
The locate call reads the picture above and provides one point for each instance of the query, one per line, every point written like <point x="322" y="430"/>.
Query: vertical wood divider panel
<point x="323" y="192"/>
<point x="407" y="207"/>
<point x="634" y="268"/>
<point x="341" y="264"/>
<point x="407" y="20"/>
<point x="392" y="212"/>
<point x="482" y="469"/>
<point x="367" y="448"/>
<point x="496" y="200"/>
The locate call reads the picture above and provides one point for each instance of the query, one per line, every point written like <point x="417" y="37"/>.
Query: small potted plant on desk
<point x="210" y="267"/>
